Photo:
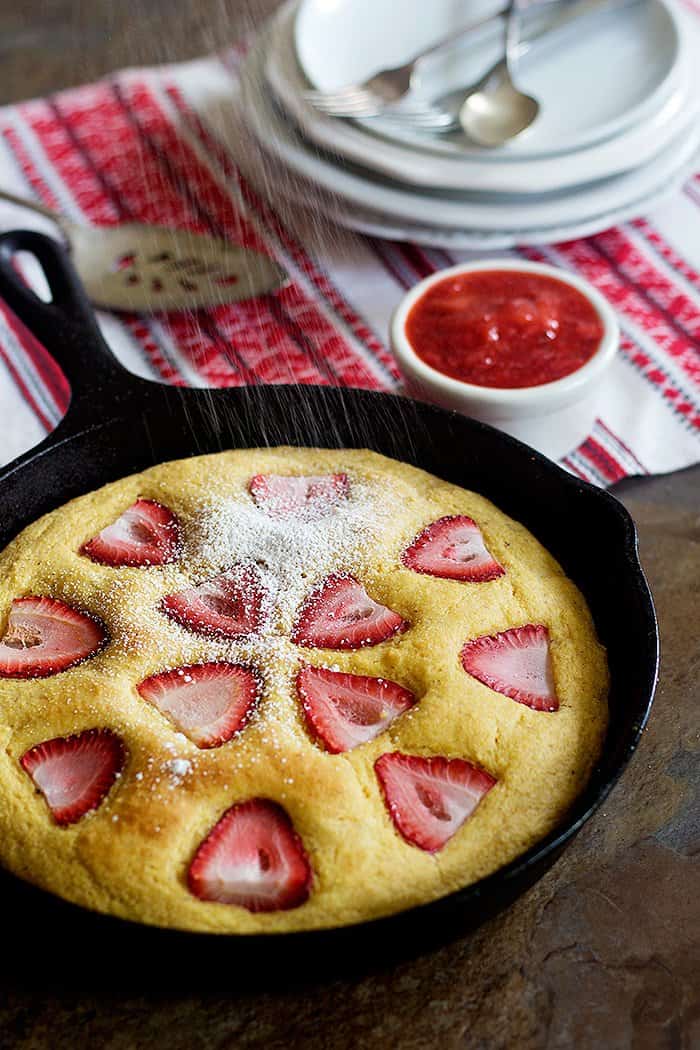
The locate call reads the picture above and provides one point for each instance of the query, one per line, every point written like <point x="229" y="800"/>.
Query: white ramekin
<point x="554" y="417"/>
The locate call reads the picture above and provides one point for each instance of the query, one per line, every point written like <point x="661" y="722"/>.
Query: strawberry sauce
<point x="504" y="328"/>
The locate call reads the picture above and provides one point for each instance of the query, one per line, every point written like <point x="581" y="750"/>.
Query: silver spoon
<point x="494" y="110"/>
<point x="147" y="268"/>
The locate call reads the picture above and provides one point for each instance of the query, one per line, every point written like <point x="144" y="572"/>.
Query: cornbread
<point x="137" y="850"/>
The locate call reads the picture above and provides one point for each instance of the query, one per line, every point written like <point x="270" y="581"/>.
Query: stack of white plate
<point x="618" y="129"/>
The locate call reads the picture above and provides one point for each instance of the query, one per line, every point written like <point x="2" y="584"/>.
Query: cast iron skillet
<point x="118" y="424"/>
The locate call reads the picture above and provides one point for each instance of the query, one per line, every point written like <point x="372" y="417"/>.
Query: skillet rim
<point x="544" y="852"/>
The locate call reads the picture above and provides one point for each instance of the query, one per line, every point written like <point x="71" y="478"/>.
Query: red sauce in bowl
<point x="504" y="328"/>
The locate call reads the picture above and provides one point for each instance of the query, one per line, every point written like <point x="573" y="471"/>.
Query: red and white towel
<point x="141" y="147"/>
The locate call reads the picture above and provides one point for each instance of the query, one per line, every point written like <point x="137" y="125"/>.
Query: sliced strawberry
<point x="209" y="703"/>
<point x="74" y="773"/>
<point x="45" y="636"/>
<point x="516" y="663"/>
<point x="229" y="605"/>
<point x="252" y="858"/>
<point x="430" y="798"/>
<point x="453" y="549"/>
<point x="282" y="495"/>
<point x="339" y="614"/>
<point x="346" y="710"/>
<point x="147" y="533"/>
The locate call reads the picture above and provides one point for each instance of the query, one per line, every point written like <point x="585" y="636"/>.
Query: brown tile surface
<point x="604" y="951"/>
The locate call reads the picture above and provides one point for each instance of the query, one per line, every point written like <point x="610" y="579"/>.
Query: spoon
<point x="147" y="268"/>
<point x="494" y="110"/>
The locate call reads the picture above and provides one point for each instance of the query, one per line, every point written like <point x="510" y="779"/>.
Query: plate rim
<point x="465" y="240"/>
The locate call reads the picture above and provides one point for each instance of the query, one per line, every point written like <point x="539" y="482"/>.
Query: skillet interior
<point x="118" y="425"/>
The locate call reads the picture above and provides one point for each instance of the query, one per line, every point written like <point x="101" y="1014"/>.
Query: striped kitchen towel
<point x="142" y="146"/>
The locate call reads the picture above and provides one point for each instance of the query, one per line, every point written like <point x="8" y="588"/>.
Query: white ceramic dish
<point x="632" y="53"/>
<point x="416" y="167"/>
<point x="554" y="415"/>
<point x="373" y="224"/>
<point x="492" y="213"/>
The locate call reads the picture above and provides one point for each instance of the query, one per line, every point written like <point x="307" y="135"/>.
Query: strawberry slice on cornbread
<point x="452" y="548"/>
<point x="147" y="533"/>
<point x="516" y="663"/>
<point x="283" y="495"/>
<point x="44" y="636"/>
<point x="339" y="614"/>
<point x="75" y="773"/>
<point x="208" y="702"/>
<point x="429" y="799"/>
<point x="346" y="710"/>
<point x="252" y="858"/>
<point x="229" y="605"/>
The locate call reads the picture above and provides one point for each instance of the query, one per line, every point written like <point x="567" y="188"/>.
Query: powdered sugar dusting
<point x="287" y="550"/>
<point x="177" y="769"/>
<point x="289" y="553"/>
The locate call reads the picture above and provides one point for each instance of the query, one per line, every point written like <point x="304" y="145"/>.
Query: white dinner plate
<point x="629" y="149"/>
<point x="376" y="225"/>
<point x="478" y="211"/>
<point x="613" y="72"/>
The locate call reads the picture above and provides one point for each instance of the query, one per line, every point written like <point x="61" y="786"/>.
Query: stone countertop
<point x="604" y="951"/>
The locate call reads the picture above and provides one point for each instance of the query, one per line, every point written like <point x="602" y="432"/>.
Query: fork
<point x="391" y="87"/>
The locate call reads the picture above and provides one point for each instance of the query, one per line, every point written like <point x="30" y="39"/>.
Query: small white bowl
<point x="553" y="417"/>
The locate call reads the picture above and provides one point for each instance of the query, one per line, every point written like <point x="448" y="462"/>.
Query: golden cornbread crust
<point x="130" y="856"/>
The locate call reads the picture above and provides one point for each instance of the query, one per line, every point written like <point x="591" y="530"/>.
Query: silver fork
<point x="391" y="87"/>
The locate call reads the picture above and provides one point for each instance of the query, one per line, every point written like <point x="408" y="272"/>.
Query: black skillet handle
<point x="66" y="325"/>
